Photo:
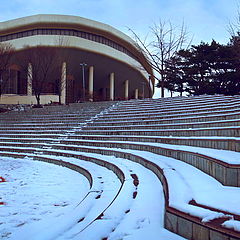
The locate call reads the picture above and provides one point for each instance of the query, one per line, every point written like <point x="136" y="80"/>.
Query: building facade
<point x="95" y="61"/>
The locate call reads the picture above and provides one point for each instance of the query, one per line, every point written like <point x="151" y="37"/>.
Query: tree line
<point x="205" y="69"/>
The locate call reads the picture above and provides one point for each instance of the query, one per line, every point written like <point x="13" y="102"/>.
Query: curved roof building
<point x="98" y="62"/>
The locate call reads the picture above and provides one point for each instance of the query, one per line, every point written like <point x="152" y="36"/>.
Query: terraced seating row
<point x="22" y="129"/>
<point x="85" y="225"/>
<point x="118" y="129"/>
<point x="230" y="143"/>
<point x="181" y="101"/>
<point x="188" y="105"/>
<point x="155" y="120"/>
<point x="104" y="188"/>
<point x="131" y="130"/>
<point x="58" y="119"/>
<point x="197" y="228"/>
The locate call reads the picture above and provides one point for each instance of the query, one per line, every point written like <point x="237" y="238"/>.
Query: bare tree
<point x="234" y="31"/>
<point x="44" y="65"/>
<point x="6" y="53"/>
<point x="234" y="27"/>
<point x="161" y="44"/>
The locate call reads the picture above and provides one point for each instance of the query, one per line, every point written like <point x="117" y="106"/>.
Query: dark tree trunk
<point x="162" y="89"/>
<point x="38" y="99"/>
<point x="59" y="99"/>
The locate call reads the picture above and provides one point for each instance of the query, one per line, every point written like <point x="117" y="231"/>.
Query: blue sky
<point x="205" y="19"/>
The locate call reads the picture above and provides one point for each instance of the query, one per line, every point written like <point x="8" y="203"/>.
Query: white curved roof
<point x="64" y="20"/>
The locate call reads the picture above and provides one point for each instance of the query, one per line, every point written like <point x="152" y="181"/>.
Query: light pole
<point x="149" y="85"/>
<point x="143" y="90"/>
<point x="83" y="79"/>
<point x="1" y="81"/>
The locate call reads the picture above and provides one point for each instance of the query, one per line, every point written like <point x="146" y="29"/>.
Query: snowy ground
<point x="34" y="191"/>
<point x="39" y="199"/>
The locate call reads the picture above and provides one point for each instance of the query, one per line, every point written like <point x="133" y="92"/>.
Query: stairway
<point x="191" y="144"/>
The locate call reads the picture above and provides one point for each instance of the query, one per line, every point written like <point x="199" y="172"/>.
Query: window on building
<point x="9" y="82"/>
<point x="68" y="32"/>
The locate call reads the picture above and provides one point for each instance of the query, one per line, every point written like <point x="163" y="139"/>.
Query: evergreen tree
<point x="175" y="75"/>
<point x="207" y="69"/>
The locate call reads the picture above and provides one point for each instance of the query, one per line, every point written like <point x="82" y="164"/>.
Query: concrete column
<point x="63" y="84"/>
<point x="136" y="93"/>
<point x="126" y="86"/>
<point x="111" y="97"/>
<point x="90" y="83"/>
<point x="143" y="90"/>
<point x="29" y="80"/>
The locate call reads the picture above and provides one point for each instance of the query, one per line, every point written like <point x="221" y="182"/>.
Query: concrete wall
<point x="194" y="229"/>
<point x="17" y="99"/>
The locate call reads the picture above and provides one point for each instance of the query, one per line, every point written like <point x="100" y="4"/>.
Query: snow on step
<point x="177" y="119"/>
<point x="34" y="191"/>
<point x="187" y="183"/>
<point x="105" y="187"/>
<point x="174" y="108"/>
<point x="137" y="220"/>
<point x="170" y="109"/>
<point x="134" y="211"/>
<point x="191" y="185"/>
<point x="231" y="131"/>
<point x="219" y="123"/>
<point x="226" y="156"/>
<point x="194" y="189"/>
<point x="179" y="100"/>
<point x="160" y="115"/>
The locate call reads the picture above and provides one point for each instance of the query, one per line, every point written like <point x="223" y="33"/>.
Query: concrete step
<point x="177" y="119"/>
<point x="230" y="143"/>
<point x="209" y="124"/>
<point x="217" y="131"/>
<point x="176" y="106"/>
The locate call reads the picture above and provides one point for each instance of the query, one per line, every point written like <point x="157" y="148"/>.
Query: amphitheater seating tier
<point x="183" y="128"/>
